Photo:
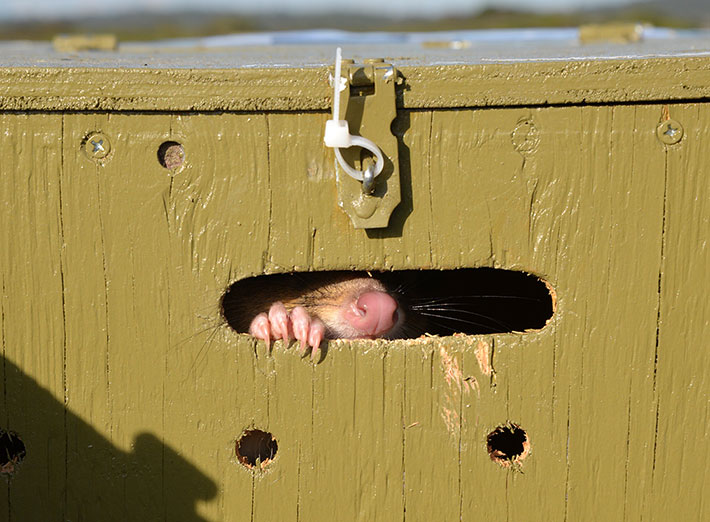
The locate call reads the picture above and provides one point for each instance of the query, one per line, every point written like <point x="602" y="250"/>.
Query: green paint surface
<point x="129" y="390"/>
<point x="151" y="77"/>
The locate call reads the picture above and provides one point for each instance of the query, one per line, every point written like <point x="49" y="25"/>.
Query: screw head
<point x="97" y="146"/>
<point x="669" y="132"/>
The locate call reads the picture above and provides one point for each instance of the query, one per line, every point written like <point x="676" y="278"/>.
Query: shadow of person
<point x="72" y="472"/>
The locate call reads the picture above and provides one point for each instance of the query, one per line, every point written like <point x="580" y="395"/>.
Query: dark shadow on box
<point x="103" y="482"/>
<point x="400" y="126"/>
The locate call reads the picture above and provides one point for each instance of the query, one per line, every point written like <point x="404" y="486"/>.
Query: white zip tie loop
<point x="337" y="133"/>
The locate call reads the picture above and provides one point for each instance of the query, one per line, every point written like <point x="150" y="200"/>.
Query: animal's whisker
<point x="404" y="288"/>
<point x="406" y="332"/>
<point x="466" y="312"/>
<point x="399" y="288"/>
<point x="456" y="319"/>
<point x="441" y="325"/>
<point x="209" y="328"/>
<point x="473" y="297"/>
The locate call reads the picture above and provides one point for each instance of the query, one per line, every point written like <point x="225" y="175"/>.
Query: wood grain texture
<point x="680" y="478"/>
<point x="130" y="391"/>
<point x="455" y="83"/>
<point x="32" y="308"/>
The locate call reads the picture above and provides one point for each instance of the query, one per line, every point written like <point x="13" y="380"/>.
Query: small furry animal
<point x="328" y="305"/>
<point x="315" y="306"/>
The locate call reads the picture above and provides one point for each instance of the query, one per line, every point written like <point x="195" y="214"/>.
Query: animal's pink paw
<point x="278" y="323"/>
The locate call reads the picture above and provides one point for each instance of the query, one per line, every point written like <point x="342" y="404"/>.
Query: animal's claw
<point x="280" y="324"/>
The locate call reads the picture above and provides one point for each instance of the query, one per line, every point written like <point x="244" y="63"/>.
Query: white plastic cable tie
<point x="337" y="133"/>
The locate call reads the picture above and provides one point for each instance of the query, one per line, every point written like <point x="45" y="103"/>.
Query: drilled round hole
<point x="508" y="444"/>
<point x="12" y="451"/>
<point x="256" y="449"/>
<point x="171" y="155"/>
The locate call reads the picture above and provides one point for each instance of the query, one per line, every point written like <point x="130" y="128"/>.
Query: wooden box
<point x="583" y="164"/>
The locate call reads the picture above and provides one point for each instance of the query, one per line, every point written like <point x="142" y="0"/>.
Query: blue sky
<point x="38" y="9"/>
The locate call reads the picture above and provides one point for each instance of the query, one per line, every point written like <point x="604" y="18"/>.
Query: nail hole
<point x="256" y="449"/>
<point x="436" y="302"/>
<point x="171" y="155"/>
<point x="12" y="452"/>
<point x="508" y="444"/>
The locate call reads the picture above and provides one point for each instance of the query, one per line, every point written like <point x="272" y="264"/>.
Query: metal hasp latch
<point x="367" y="166"/>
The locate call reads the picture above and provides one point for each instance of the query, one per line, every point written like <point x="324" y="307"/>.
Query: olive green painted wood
<point x="130" y="392"/>
<point x="137" y="87"/>
<point x="31" y="307"/>
<point x="681" y="378"/>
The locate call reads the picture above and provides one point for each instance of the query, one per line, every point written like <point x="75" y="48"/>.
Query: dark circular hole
<point x="508" y="444"/>
<point x="12" y="452"/>
<point x="171" y="155"/>
<point x="256" y="449"/>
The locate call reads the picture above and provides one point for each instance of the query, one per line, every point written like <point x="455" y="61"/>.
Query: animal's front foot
<point x="278" y="323"/>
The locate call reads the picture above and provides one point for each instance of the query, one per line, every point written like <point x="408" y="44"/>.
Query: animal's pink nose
<point x="376" y="314"/>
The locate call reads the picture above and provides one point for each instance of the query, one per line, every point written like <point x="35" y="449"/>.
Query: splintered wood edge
<point x="553" y="298"/>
